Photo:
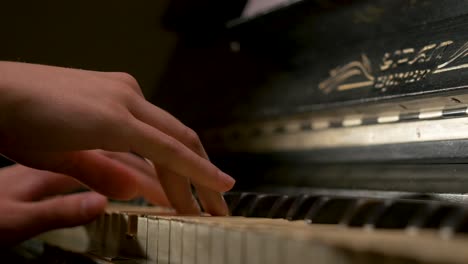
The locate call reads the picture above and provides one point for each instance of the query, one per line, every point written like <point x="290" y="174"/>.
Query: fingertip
<point x="220" y="209"/>
<point x="92" y="205"/>
<point x="227" y="182"/>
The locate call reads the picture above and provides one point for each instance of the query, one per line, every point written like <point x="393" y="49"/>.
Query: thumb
<point x="68" y="210"/>
<point x="33" y="218"/>
<point x="98" y="172"/>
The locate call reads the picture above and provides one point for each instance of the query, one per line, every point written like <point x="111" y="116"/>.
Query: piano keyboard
<point x="286" y="229"/>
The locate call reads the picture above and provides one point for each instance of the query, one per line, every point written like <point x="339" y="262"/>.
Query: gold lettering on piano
<point x="360" y="69"/>
<point x="456" y="56"/>
<point x="402" y="66"/>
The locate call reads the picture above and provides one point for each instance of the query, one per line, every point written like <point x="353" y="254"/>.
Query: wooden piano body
<point x="347" y="118"/>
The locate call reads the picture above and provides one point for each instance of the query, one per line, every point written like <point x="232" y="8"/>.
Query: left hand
<point x="31" y="203"/>
<point x="34" y="201"/>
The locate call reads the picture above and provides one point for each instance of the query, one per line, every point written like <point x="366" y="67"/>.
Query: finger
<point x="152" y="190"/>
<point x="29" y="184"/>
<point x="131" y="160"/>
<point x="69" y="210"/>
<point x="100" y="173"/>
<point x="212" y="201"/>
<point x="178" y="191"/>
<point x="168" y="153"/>
<point x="168" y="124"/>
<point x="45" y="184"/>
<point x="147" y="177"/>
<point x="29" y="219"/>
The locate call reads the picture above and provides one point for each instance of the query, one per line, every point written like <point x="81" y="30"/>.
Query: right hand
<point x="51" y="118"/>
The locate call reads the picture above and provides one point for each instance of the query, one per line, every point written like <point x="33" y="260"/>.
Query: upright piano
<point x="345" y="124"/>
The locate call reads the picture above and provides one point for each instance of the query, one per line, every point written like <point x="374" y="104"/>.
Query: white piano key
<point x="273" y="250"/>
<point x="189" y="236"/>
<point x="176" y="242"/>
<point x="113" y="235"/>
<point x="296" y="250"/>
<point x="234" y="246"/>
<point x="217" y="245"/>
<point x="142" y="235"/>
<point x="254" y="253"/>
<point x="164" y="236"/>
<point x="203" y="245"/>
<point x="152" y="248"/>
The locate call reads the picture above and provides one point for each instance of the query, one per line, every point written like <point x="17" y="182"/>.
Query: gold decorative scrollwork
<point x="393" y="70"/>
<point x="456" y="56"/>
<point x="340" y="75"/>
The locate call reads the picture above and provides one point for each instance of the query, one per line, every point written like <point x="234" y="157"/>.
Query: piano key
<point x="399" y="214"/>
<point x="436" y="218"/>
<point x="203" y="244"/>
<point x="189" y="240"/>
<point x="281" y="207"/>
<point x="242" y="207"/>
<point x="153" y="229"/>
<point x="142" y="235"/>
<point x="254" y="251"/>
<point x="262" y="206"/>
<point x="263" y="240"/>
<point x="218" y="249"/>
<point x="330" y="211"/>
<point x="164" y="230"/>
<point x="272" y="249"/>
<point x="132" y="236"/>
<point x="176" y="242"/>
<point x="363" y="212"/>
<point x="234" y="247"/>
<point x="301" y="206"/>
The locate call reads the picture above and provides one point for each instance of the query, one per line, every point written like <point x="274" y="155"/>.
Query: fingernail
<point x="227" y="180"/>
<point x="92" y="205"/>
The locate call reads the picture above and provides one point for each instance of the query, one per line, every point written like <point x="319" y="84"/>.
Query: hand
<point x="53" y="118"/>
<point x="29" y="204"/>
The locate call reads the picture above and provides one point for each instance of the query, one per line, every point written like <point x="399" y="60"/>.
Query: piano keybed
<point x="269" y="228"/>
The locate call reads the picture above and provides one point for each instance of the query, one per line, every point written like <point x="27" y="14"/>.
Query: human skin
<point x="76" y="122"/>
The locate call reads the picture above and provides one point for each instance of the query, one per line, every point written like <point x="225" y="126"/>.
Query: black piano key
<point x="262" y="206"/>
<point x="315" y="208"/>
<point x="425" y="216"/>
<point x="282" y="206"/>
<point x="438" y="216"/>
<point x="398" y="214"/>
<point x="232" y="199"/>
<point x="301" y="207"/>
<point x="243" y="205"/>
<point x="330" y="210"/>
<point x="455" y="221"/>
<point x="363" y="212"/>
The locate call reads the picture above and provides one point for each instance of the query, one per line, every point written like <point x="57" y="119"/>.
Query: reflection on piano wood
<point x="285" y="229"/>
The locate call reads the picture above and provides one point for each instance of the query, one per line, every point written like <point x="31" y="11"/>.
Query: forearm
<point x="4" y="95"/>
<point x="8" y="73"/>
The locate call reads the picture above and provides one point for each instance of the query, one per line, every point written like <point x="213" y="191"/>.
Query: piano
<point x="345" y="124"/>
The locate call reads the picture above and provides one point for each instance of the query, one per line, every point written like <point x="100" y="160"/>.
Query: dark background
<point x="107" y="35"/>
